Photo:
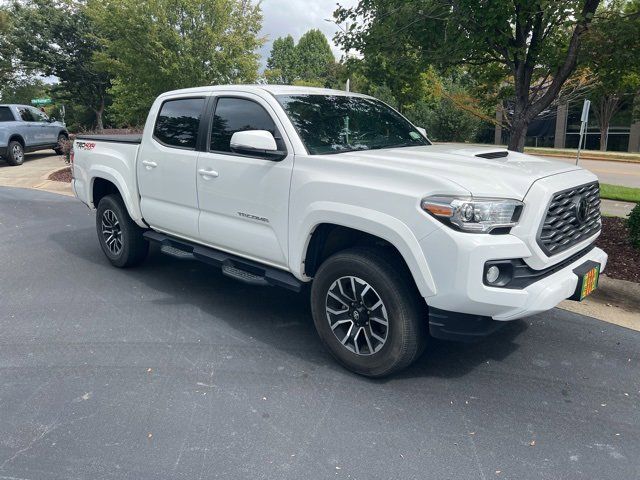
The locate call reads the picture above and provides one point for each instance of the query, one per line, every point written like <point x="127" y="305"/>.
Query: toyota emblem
<point x="582" y="209"/>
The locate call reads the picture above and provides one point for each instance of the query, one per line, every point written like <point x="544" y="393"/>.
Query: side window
<point x="178" y="122"/>
<point x="25" y="115"/>
<point x="38" y="116"/>
<point x="6" y="115"/>
<point x="236" y="115"/>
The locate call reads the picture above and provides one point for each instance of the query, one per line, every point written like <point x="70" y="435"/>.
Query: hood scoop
<point x="492" y="155"/>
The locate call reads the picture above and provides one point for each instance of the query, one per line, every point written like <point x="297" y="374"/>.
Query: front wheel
<point x="368" y="311"/>
<point x="59" y="148"/>
<point x="121" y="239"/>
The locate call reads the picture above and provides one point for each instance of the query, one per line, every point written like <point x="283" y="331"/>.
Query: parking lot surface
<point x="173" y="371"/>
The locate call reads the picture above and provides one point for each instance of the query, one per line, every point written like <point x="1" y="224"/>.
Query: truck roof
<point x="273" y="89"/>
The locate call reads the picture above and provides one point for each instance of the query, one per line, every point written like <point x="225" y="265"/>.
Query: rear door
<point x="244" y="200"/>
<point x="28" y="127"/>
<point x="166" y="168"/>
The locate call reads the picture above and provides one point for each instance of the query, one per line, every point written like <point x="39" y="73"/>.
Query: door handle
<point x="149" y="164"/>
<point x="206" y="174"/>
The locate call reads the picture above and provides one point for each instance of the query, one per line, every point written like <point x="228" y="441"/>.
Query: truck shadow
<point x="274" y="316"/>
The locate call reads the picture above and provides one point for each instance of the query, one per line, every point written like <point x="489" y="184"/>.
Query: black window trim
<point x="214" y="104"/>
<point x="199" y="132"/>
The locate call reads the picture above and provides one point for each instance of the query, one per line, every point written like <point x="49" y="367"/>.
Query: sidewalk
<point x="34" y="173"/>
<point x="615" y="208"/>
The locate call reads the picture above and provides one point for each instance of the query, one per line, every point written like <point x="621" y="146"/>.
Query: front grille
<point x="564" y="224"/>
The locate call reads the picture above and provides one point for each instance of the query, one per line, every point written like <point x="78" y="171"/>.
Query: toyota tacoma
<point x="399" y="239"/>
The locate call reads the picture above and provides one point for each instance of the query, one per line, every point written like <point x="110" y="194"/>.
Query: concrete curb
<point x="615" y="301"/>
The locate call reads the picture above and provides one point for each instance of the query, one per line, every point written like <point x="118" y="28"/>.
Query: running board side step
<point x="232" y="266"/>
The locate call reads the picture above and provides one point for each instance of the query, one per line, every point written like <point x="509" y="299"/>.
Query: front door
<point x="48" y="133"/>
<point x="166" y="168"/>
<point x="244" y="199"/>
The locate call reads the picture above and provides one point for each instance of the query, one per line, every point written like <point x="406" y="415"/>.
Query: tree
<point x="22" y="90"/>
<point x="309" y="63"/>
<point x="56" y="38"/>
<point x="281" y="64"/>
<point x="158" y="45"/>
<point x="6" y="50"/>
<point x="313" y="56"/>
<point x="611" y="57"/>
<point x="532" y="45"/>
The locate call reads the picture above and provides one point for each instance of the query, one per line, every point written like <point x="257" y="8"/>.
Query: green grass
<point x="617" y="192"/>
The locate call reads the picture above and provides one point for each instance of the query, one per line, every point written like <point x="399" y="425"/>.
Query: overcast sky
<point x="295" y="17"/>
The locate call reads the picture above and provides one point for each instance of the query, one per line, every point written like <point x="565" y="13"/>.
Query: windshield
<point x="341" y="123"/>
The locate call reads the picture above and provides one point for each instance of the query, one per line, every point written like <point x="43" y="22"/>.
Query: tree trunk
<point x="608" y="105"/>
<point x="99" y="112"/>
<point x="518" y="135"/>
<point x="604" y="129"/>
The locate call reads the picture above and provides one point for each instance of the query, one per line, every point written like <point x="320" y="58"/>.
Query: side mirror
<point x="256" y="143"/>
<point x="422" y="131"/>
<point x="51" y="119"/>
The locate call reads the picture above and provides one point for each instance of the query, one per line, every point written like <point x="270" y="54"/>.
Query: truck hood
<point x="483" y="171"/>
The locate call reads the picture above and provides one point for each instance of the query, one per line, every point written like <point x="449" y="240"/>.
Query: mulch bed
<point x="624" y="259"/>
<point x="63" y="175"/>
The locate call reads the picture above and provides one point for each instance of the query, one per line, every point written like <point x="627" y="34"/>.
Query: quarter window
<point x="237" y="115"/>
<point x="178" y="122"/>
<point x="6" y="115"/>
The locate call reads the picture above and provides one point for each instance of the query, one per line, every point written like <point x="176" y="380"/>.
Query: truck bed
<point x="122" y="138"/>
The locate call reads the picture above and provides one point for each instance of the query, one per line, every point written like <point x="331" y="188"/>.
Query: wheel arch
<point x="330" y="231"/>
<point x="105" y="181"/>
<point x="16" y="137"/>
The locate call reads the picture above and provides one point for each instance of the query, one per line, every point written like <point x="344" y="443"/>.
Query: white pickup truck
<point x="399" y="238"/>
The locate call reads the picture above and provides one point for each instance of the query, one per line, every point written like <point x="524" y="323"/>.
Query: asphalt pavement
<point x="172" y="371"/>
<point x="608" y="171"/>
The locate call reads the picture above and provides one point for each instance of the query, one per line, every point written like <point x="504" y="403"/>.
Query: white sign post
<point x="584" y="120"/>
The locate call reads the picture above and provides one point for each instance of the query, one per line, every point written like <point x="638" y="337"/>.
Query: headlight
<point x="479" y="215"/>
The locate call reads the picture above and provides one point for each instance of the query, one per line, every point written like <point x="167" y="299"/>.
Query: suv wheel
<point x="368" y="312"/>
<point x="120" y="237"/>
<point x="61" y="139"/>
<point x="15" y="153"/>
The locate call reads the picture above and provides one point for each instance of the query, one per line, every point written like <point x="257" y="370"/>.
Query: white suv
<point x="398" y="237"/>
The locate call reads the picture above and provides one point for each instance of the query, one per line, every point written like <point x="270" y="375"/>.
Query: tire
<point x="120" y="238"/>
<point x="15" y="153"/>
<point x="388" y="281"/>
<point x="58" y="148"/>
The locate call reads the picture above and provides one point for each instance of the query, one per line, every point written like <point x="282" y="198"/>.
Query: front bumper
<point x="457" y="263"/>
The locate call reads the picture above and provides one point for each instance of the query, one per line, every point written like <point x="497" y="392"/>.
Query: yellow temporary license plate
<point x="588" y="276"/>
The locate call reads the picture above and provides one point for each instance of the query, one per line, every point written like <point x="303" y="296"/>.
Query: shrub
<point x="633" y="222"/>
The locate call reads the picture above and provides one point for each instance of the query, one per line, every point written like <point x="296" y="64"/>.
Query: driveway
<point x="34" y="173"/>
<point x="172" y="371"/>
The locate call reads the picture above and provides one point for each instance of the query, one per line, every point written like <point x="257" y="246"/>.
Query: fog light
<point x="492" y="274"/>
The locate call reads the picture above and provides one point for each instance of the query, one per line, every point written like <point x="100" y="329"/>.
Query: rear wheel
<point x="15" y="153"/>
<point x="368" y="311"/>
<point x="121" y="239"/>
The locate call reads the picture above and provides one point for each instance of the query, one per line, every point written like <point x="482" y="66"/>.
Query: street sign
<point x="41" y="101"/>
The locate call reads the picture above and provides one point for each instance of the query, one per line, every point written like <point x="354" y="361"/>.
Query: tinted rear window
<point x="178" y="122"/>
<point x="6" y="115"/>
